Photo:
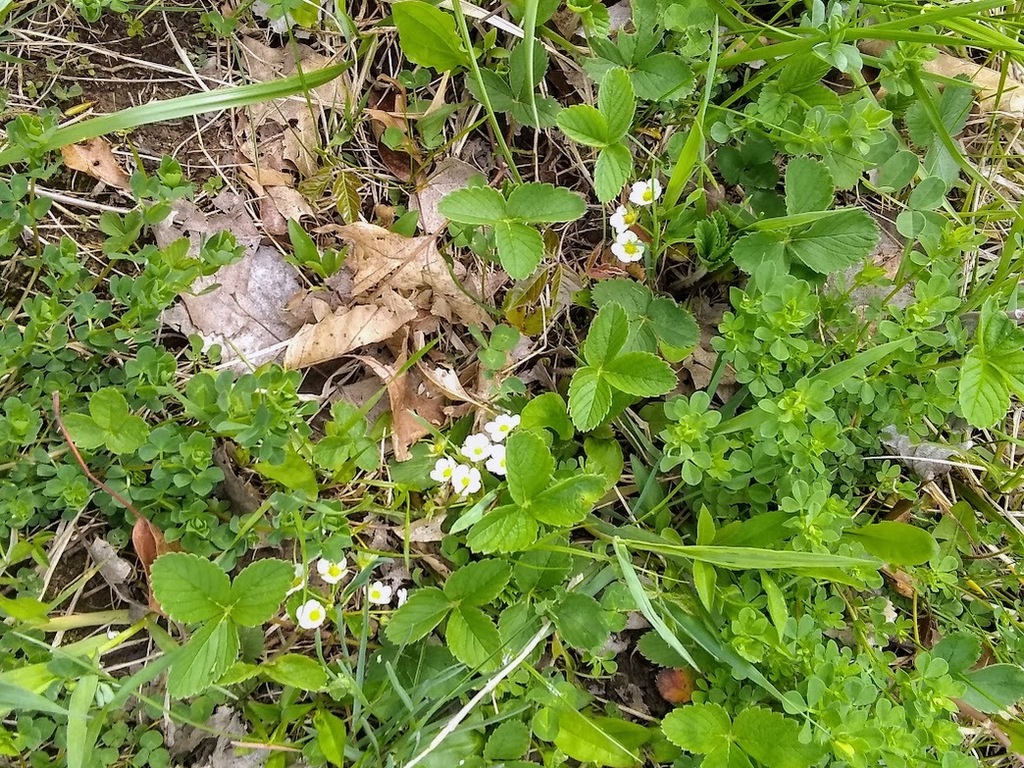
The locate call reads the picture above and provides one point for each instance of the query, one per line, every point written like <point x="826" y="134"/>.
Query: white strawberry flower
<point x="496" y="463"/>
<point x="443" y="469"/>
<point x="466" y="480"/>
<point x="401" y="595"/>
<point x="476" y="448"/>
<point x="501" y="427"/>
<point x="331" y="572"/>
<point x="627" y="247"/>
<point x="311" y="614"/>
<point x="378" y="593"/>
<point x="645" y="192"/>
<point x="623" y="218"/>
<point x="299" y="581"/>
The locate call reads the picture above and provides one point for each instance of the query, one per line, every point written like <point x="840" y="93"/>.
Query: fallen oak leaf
<point x="348" y="329"/>
<point x="380" y="257"/>
<point x="94" y="157"/>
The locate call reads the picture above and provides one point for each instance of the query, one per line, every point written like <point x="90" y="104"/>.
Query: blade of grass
<point x="179" y="107"/>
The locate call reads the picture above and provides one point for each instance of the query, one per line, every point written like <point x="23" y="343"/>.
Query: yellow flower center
<point x="314" y="615"/>
<point x="630" y="248"/>
<point x="648" y="194"/>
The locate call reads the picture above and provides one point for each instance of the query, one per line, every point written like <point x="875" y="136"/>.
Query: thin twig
<point x="463" y="713"/>
<point x="78" y="457"/>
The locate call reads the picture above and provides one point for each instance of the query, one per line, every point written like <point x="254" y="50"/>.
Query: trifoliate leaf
<point x="190" y="588"/>
<point x="662" y="77"/>
<point x="547" y="411"/>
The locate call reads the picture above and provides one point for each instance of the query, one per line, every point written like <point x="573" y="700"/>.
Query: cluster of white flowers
<point x="627" y="246"/>
<point x="487" y="447"/>
<point x="312" y="613"/>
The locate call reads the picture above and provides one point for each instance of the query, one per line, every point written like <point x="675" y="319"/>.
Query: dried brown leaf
<point x="347" y="329"/>
<point x="408" y="405"/>
<point x="449" y="175"/>
<point x="410" y="265"/>
<point x="95" y="158"/>
<point x="242" y="306"/>
<point x="149" y="544"/>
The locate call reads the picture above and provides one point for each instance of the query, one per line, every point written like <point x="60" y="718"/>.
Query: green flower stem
<point x="474" y="67"/>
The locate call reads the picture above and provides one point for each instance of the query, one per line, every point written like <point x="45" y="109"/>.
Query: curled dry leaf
<point x="285" y="130"/>
<point x="94" y="157"/>
<point x="348" y="329"/>
<point x="242" y="306"/>
<point x="411" y="265"/>
<point x="409" y="407"/>
<point x="149" y="544"/>
<point x="280" y="204"/>
<point x="675" y="685"/>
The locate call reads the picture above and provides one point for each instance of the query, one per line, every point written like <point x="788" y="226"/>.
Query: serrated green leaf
<point x="547" y="411"/>
<point x="654" y="648"/>
<point x="590" y="398"/>
<point x="984" y="393"/>
<point x="505" y="529"/>
<point x="602" y="741"/>
<point x="424" y="610"/>
<point x="541" y="569"/>
<point x="896" y="543"/>
<point x="535" y="203"/>
<point x="699" y="728"/>
<point x="581" y="622"/>
<point x="640" y="374"/>
<point x="204" y="658"/>
<point x="662" y="77"/>
<point x="474" y="205"/>
<point x="994" y="688"/>
<point x="750" y="251"/>
<point x="520" y="248"/>
<point x="528" y="464"/>
<point x="478" y="583"/>
<point x="632" y="296"/>
<point x="428" y="36"/>
<point x="568" y="501"/>
<point x="585" y="124"/>
<point x="330" y="737"/>
<point x="509" y="741"/>
<point x="130" y="435"/>
<point x="841" y="239"/>
<point x="472" y="638"/>
<point x="259" y="589"/>
<point x="607" y="335"/>
<point x="293" y="472"/>
<point x="673" y="324"/>
<point x="773" y="739"/>
<point x="611" y="172"/>
<point x="190" y="588"/>
<point x="616" y="102"/>
<point x="809" y="186"/>
<point x="298" y="671"/>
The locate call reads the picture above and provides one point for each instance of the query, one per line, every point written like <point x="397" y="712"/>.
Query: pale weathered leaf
<point x="94" y="158"/>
